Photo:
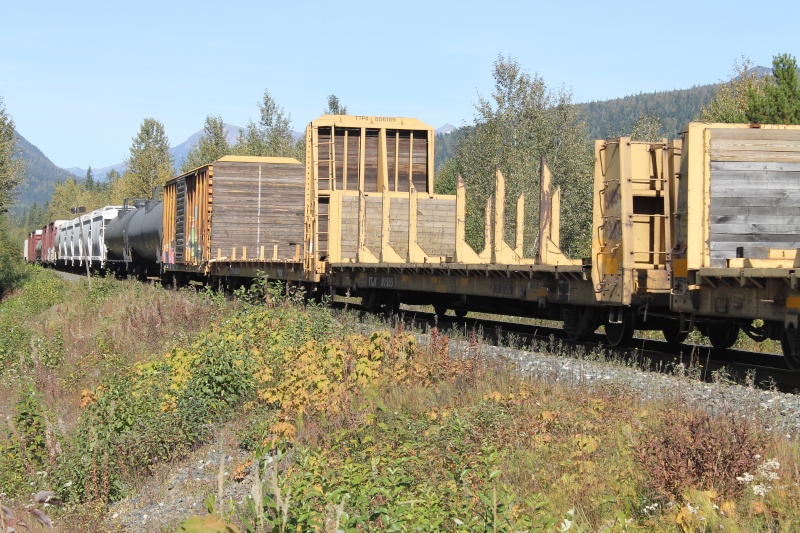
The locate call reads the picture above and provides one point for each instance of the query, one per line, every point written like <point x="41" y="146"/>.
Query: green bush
<point x="389" y="486"/>
<point x="24" y="453"/>
<point x="41" y="290"/>
<point x="159" y="410"/>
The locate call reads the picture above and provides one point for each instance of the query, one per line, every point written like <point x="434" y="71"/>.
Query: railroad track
<point x="763" y="370"/>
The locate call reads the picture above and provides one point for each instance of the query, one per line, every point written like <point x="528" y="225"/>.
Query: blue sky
<point x="79" y="77"/>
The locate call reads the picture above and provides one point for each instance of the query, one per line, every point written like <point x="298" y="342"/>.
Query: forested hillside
<point x="612" y="118"/>
<point x="40" y="174"/>
<point x="444" y="145"/>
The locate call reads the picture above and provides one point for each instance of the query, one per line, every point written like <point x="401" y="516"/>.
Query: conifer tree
<point x="779" y="103"/>
<point x="88" y="181"/>
<point x="11" y="168"/>
<point x="212" y="145"/>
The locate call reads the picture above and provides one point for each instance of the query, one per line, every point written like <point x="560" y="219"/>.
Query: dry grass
<point x="132" y="323"/>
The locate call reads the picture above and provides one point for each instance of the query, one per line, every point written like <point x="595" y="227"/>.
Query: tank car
<point x="133" y="238"/>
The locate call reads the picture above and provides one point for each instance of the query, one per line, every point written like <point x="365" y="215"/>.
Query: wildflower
<point x="761" y="489"/>
<point x="745" y="478"/>
<point x="769" y="469"/>
<point x="652" y="508"/>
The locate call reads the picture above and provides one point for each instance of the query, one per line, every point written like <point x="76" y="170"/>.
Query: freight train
<point x="697" y="232"/>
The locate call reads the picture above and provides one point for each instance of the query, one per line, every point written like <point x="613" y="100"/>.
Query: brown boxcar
<point x="49" y="245"/>
<point x="33" y="246"/>
<point x="238" y="208"/>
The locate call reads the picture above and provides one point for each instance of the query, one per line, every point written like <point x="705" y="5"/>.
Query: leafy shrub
<point x="24" y="451"/>
<point x="30" y="429"/>
<point x="384" y="490"/>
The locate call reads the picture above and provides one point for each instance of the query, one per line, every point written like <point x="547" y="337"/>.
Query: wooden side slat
<point x="250" y="212"/>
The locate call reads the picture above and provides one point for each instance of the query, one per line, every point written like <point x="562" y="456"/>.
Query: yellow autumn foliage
<point x="315" y="375"/>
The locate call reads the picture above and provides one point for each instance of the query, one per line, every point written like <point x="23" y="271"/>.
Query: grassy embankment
<point x="373" y="431"/>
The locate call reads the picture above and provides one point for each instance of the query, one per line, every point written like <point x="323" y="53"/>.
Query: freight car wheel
<point x="722" y="333"/>
<point x="790" y="342"/>
<point x="370" y="302"/>
<point x="391" y="304"/>
<point x="673" y="334"/>
<point x="461" y="313"/>
<point x="578" y="322"/>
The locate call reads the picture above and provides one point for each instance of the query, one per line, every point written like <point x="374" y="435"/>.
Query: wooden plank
<point x="786" y="239"/>
<point x="755" y="165"/>
<point x="754" y="134"/>
<point x="436" y="231"/>
<point x="731" y="181"/>
<point x="777" y="200"/>
<point x="753" y="145"/>
<point x="739" y="155"/>
<point x="783" y="214"/>
<point x="398" y="232"/>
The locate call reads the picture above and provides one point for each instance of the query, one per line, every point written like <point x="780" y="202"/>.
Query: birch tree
<point x="522" y="121"/>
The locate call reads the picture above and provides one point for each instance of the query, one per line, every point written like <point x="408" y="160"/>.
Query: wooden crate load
<point x="738" y="193"/>
<point x="737" y="232"/>
<point x="238" y="208"/>
<point x="392" y="227"/>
